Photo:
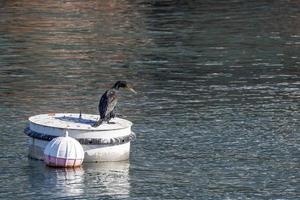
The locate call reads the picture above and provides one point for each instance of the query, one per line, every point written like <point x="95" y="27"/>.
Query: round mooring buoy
<point x="107" y="142"/>
<point x="63" y="152"/>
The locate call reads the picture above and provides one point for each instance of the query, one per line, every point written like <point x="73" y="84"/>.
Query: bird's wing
<point x="107" y="103"/>
<point x="103" y="105"/>
<point x="112" y="101"/>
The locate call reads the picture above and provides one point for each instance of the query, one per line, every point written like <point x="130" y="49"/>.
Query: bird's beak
<point x="132" y="90"/>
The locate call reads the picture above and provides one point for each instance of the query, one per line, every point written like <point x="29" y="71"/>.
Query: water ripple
<point x="216" y="114"/>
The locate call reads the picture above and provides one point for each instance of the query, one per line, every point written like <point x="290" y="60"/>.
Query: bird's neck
<point x="116" y="87"/>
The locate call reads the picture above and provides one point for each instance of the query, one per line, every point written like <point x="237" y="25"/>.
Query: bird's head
<point x="125" y="85"/>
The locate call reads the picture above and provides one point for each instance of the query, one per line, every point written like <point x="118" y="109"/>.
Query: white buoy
<point x="107" y="142"/>
<point x="63" y="152"/>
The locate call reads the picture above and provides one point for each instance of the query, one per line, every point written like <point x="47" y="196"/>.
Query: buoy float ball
<point x="63" y="152"/>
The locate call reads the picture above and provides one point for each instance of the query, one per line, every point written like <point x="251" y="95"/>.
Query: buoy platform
<point x="107" y="142"/>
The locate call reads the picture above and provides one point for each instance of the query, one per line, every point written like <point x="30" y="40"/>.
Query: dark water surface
<point x="217" y="109"/>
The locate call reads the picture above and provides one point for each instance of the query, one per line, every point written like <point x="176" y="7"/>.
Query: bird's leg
<point x="97" y="123"/>
<point x="108" y="121"/>
<point x="111" y="115"/>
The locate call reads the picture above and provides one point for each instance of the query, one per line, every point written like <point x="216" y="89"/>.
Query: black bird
<point x="109" y="100"/>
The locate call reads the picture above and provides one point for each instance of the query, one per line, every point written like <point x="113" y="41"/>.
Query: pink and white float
<point x="107" y="142"/>
<point x="63" y="152"/>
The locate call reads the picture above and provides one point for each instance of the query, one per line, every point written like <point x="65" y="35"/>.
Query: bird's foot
<point x="97" y="123"/>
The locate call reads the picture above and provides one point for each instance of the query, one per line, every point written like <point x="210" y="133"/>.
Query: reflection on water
<point x="68" y="181"/>
<point x="55" y="182"/>
<point x="217" y="109"/>
<point x="84" y="40"/>
<point x="109" y="179"/>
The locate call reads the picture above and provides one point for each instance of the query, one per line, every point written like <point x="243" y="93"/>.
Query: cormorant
<point x="109" y="101"/>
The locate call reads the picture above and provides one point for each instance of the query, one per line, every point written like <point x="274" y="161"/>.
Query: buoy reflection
<point x="69" y="181"/>
<point x="110" y="178"/>
<point x="90" y="180"/>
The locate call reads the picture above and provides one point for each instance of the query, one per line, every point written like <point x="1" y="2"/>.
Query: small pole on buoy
<point x="66" y="133"/>
<point x="80" y="114"/>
